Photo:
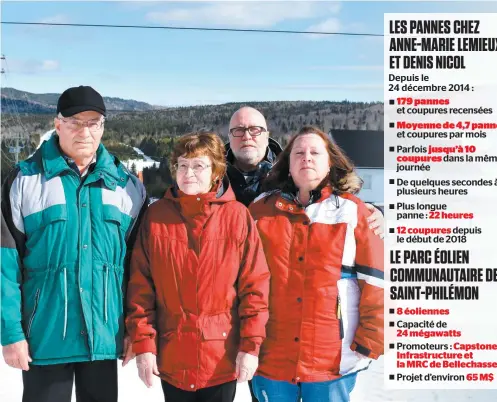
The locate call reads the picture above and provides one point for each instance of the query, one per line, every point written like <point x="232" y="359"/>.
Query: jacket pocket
<point x="220" y="327"/>
<point x="33" y="314"/>
<point x="45" y="238"/>
<point x="349" y="296"/>
<point x="112" y="215"/>
<point x="216" y="332"/>
<point x="108" y="308"/>
<point x="112" y="292"/>
<point x="175" y="352"/>
<point x="110" y="244"/>
<point x="40" y="220"/>
<point x="55" y="330"/>
<point x="220" y="342"/>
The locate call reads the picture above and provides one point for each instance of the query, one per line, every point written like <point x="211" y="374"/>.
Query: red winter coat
<point x="198" y="290"/>
<point x="326" y="298"/>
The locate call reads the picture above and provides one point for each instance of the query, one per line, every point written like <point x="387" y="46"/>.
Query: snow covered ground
<point x="369" y="388"/>
<point x="140" y="152"/>
<point x="140" y="164"/>
<point x="146" y="162"/>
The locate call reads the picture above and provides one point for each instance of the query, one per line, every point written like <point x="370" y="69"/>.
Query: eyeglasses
<point x="254" y="131"/>
<point x="78" y="125"/>
<point x="197" y="167"/>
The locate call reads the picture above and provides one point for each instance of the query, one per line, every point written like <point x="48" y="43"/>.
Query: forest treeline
<point x="154" y="131"/>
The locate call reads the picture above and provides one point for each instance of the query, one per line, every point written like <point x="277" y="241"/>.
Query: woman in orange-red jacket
<point x="199" y="282"/>
<point x="326" y="297"/>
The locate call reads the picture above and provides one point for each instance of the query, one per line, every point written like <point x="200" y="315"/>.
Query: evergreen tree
<point x="133" y="169"/>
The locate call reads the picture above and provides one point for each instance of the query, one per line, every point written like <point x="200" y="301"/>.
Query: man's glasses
<point x="78" y="125"/>
<point x="197" y="167"/>
<point x="254" y="131"/>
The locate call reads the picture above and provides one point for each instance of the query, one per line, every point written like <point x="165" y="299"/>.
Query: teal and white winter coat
<point x="64" y="252"/>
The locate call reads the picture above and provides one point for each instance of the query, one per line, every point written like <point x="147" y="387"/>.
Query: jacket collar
<point x="54" y="163"/>
<point x="220" y="194"/>
<point x="272" y="151"/>
<point x="200" y="204"/>
<point x="288" y="201"/>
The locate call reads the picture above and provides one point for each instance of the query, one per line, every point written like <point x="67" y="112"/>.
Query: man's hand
<point x="16" y="355"/>
<point x="376" y="221"/>
<point x="246" y="365"/>
<point x="128" y="354"/>
<point x="147" y="368"/>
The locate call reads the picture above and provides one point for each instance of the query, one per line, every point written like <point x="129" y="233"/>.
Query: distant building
<point x="366" y="150"/>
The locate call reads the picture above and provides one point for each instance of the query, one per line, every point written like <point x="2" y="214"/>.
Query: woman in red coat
<point x="326" y="298"/>
<point x="199" y="283"/>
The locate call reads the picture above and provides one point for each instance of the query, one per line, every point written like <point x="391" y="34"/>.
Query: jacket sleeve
<point x="130" y="241"/>
<point x="253" y="291"/>
<point x="12" y="252"/>
<point x="141" y="310"/>
<point x="369" y="263"/>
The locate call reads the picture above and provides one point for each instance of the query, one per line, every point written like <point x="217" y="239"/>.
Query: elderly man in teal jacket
<point x="68" y="219"/>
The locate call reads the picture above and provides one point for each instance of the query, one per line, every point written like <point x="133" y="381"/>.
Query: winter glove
<point x="246" y="366"/>
<point x="147" y="368"/>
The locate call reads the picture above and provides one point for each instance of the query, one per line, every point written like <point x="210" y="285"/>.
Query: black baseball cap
<point x="80" y="99"/>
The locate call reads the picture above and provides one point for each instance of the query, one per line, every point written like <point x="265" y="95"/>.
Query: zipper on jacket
<point x="65" y="304"/>
<point x="339" y="316"/>
<point x="37" y="296"/>
<point x="106" y="270"/>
